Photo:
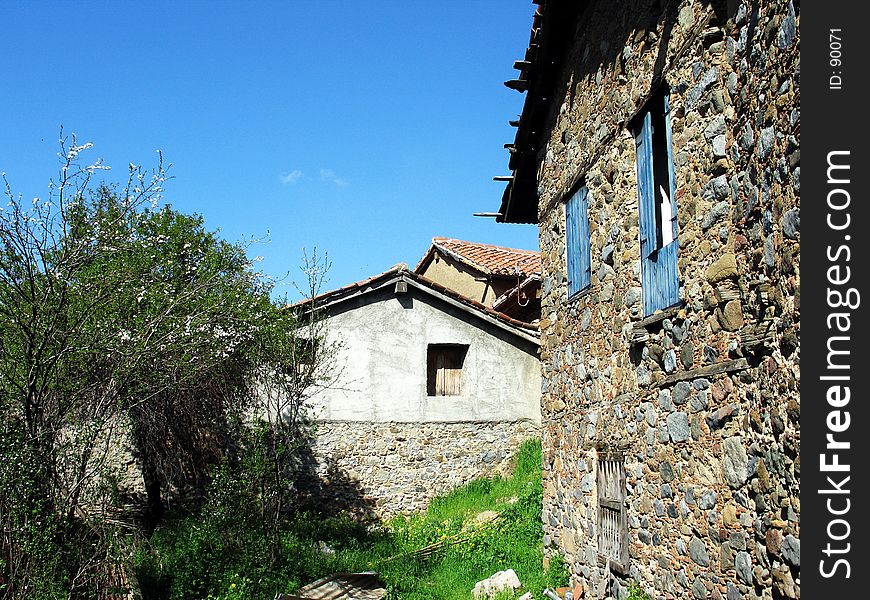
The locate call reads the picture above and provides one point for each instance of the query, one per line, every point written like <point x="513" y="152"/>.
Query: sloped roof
<point x="489" y="259"/>
<point x="553" y="28"/>
<point x="400" y="272"/>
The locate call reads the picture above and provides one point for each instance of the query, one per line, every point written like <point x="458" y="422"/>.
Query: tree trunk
<point x="154" y="507"/>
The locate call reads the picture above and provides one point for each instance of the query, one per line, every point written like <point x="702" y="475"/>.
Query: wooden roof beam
<point x="520" y="85"/>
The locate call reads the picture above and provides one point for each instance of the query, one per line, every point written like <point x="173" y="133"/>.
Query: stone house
<point x="658" y="152"/>
<point x="434" y="389"/>
<point x="506" y="279"/>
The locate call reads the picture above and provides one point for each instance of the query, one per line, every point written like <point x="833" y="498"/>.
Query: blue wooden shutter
<point x="572" y="242"/>
<point x="672" y="174"/>
<point x="577" y="241"/>
<point x="659" y="277"/>
<point x="584" y="250"/>
<point x="669" y="280"/>
<point x="646" y="188"/>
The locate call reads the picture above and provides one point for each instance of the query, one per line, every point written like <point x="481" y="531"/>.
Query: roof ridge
<point x="485" y="245"/>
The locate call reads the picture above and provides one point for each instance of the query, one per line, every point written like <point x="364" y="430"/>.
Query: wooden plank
<point x="715" y="369"/>
<point x="659" y="315"/>
<point x="645" y="187"/>
<point x="584" y="250"/>
<point x="520" y="85"/>
<point x="452" y="377"/>
<point x="572" y="244"/>
<point x="672" y="175"/>
<point x="667" y="281"/>
<point x="439" y="373"/>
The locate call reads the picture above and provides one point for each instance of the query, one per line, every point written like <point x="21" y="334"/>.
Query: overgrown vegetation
<point x="126" y="325"/>
<point x="220" y="552"/>
<point x="512" y="541"/>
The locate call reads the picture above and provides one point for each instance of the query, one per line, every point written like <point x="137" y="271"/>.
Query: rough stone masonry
<point x="702" y="400"/>
<point x="398" y="468"/>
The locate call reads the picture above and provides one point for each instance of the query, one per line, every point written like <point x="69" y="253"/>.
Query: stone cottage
<point x="506" y="279"/>
<point x="658" y="152"/>
<point x="435" y="389"/>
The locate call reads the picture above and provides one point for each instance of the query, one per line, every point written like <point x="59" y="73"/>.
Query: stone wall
<point x="702" y="401"/>
<point x="391" y="468"/>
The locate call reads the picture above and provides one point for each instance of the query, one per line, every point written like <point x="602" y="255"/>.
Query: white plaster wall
<point x="383" y="360"/>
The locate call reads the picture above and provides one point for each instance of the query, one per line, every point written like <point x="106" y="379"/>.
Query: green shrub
<point x="635" y="592"/>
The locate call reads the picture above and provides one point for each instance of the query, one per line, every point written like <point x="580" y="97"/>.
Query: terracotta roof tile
<point x="494" y="259"/>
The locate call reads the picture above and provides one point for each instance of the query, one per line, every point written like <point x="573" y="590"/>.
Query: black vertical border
<point x="833" y="120"/>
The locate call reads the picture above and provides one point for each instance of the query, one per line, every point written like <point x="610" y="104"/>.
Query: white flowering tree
<point x="115" y="311"/>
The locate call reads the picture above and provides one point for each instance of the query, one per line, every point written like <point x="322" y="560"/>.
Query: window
<point x="656" y="190"/>
<point x="444" y="369"/>
<point x="577" y="241"/>
<point x="612" y="521"/>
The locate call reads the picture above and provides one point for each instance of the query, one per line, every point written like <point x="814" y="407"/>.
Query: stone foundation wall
<point x="371" y="469"/>
<point x="703" y="402"/>
<point x="395" y="468"/>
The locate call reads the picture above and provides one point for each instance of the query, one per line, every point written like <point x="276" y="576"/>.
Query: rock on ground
<point x="499" y="581"/>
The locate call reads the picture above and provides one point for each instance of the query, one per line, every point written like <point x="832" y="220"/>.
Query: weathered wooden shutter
<point x="646" y="196"/>
<point x="612" y="519"/>
<point x="449" y="372"/>
<point x="440" y="383"/>
<point x="667" y="278"/>
<point x="444" y="369"/>
<point x="577" y="241"/>
<point x="659" y="277"/>
<point x="672" y="174"/>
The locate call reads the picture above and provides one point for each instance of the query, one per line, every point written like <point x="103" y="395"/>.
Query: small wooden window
<point x="612" y="520"/>
<point x="444" y="369"/>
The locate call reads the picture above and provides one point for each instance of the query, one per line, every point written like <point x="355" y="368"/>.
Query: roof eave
<point x="552" y="32"/>
<point x="526" y="331"/>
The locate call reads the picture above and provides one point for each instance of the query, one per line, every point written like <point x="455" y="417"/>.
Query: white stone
<point x="498" y="582"/>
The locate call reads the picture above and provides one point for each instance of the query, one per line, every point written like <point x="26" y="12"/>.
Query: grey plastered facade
<point x="379" y="425"/>
<point x="698" y="402"/>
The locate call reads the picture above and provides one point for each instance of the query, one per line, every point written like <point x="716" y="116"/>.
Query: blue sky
<point x="361" y="129"/>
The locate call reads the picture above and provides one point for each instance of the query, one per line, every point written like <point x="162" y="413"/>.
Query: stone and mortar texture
<point x="711" y="460"/>
<point x="397" y="468"/>
<point x="379" y="432"/>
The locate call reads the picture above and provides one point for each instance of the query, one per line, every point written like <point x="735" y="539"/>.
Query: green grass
<point x="194" y="558"/>
<point x="513" y="542"/>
